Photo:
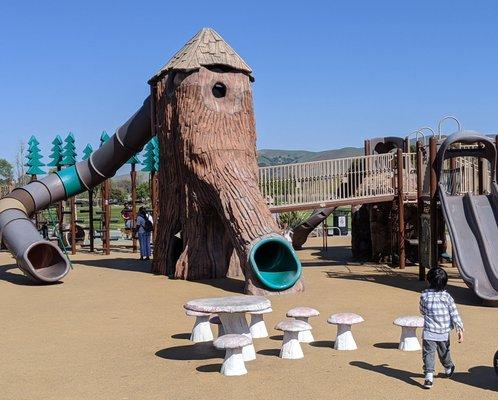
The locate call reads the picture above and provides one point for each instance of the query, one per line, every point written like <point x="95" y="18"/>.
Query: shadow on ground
<point x="197" y="351"/>
<point x="131" y="264"/>
<point x="481" y="377"/>
<point x="323" y="344"/>
<point x="17" y="277"/>
<point x="387" y="345"/>
<point x="384" y="369"/>
<point x="385" y="275"/>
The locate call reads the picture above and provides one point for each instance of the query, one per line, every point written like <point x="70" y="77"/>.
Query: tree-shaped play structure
<point x="203" y="116"/>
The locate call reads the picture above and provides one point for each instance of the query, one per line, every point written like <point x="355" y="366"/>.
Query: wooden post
<point x="368" y="147"/>
<point x="433" y="199"/>
<point x="420" y="206"/>
<point x="496" y="161"/>
<point x="401" y="209"/>
<point x="133" y="175"/>
<point x="91" y="227"/>
<point x="72" y="224"/>
<point x="154" y="200"/>
<point x="60" y="216"/>
<point x="480" y="175"/>
<point x="105" y="235"/>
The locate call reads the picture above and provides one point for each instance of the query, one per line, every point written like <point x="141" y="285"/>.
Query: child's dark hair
<point x="437" y="278"/>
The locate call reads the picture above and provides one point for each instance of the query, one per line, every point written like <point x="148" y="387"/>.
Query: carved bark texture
<point x="208" y="177"/>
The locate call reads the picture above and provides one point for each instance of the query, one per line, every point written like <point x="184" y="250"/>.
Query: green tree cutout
<point x="69" y="151"/>
<point x="151" y="158"/>
<point x="34" y="158"/>
<point x="56" y="152"/>
<point x="87" y="152"/>
<point x="104" y="137"/>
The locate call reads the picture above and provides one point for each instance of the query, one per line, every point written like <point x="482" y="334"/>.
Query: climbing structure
<point x="203" y="116"/>
<point x="201" y="109"/>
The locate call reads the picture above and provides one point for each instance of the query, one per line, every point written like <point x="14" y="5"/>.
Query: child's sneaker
<point x="428" y="380"/>
<point x="449" y="371"/>
<point x="427" y="384"/>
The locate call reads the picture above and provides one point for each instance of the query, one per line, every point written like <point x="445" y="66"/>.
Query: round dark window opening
<point x="219" y="90"/>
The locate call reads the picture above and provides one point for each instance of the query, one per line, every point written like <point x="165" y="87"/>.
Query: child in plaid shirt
<point x="440" y="317"/>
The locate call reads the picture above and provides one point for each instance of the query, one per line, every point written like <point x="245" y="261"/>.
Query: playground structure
<point x="217" y="192"/>
<point x="403" y="177"/>
<point x="200" y="109"/>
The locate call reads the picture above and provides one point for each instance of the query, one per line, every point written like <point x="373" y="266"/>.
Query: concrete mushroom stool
<point x="257" y="325"/>
<point x="215" y="320"/>
<point x="409" y="325"/>
<point x="302" y="314"/>
<point x="345" y="339"/>
<point x="291" y="348"/>
<point x="201" y="332"/>
<point x="233" y="364"/>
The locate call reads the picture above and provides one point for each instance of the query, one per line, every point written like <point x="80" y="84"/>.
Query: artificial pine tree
<point x="34" y="158"/>
<point x="104" y="137"/>
<point x="151" y="158"/>
<point x="87" y="152"/>
<point x="56" y="154"/>
<point x="69" y="151"/>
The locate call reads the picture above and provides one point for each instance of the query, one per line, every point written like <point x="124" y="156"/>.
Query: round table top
<point x="230" y="304"/>
<point x="412" y="321"/>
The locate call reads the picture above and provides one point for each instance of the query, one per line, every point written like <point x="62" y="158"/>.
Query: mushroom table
<point x="344" y="339"/>
<point x="409" y="325"/>
<point x="231" y="311"/>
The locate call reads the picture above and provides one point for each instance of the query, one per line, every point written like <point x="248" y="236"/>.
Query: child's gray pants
<point x="429" y="348"/>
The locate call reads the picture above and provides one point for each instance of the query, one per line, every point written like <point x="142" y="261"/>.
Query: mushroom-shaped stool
<point x="233" y="364"/>
<point x="291" y="348"/>
<point x="302" y="314"/>
<point x="201" y="332"/>
<point x="257" y="325"/>
<point x="345" y="339"/>
<point x="215" y="320"/>
<point x="409" y="325"/>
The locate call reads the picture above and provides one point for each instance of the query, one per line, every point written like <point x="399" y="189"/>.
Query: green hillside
<point x="267" y="157"/>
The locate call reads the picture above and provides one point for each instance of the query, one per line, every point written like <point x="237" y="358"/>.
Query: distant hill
<point x="267" y="157"/>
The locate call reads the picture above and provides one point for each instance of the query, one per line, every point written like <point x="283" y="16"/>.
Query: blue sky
<point x="328" y="74"/>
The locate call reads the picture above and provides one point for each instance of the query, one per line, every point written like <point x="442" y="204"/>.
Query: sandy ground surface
<point x="114" y="331"/>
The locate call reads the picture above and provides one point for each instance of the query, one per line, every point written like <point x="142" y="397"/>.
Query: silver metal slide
<point x="472" y="220"/>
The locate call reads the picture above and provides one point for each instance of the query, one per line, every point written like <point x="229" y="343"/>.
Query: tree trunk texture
<point x="208" y="177"/>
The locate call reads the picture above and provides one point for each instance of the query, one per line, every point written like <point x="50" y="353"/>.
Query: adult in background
<point x="144" y="229"/>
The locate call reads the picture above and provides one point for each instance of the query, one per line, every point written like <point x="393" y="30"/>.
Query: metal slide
<point x="472" y="220"/>
<point x="35" y="256"/>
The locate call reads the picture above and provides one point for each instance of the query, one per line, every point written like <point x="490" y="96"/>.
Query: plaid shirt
<point x="439" y="311"/>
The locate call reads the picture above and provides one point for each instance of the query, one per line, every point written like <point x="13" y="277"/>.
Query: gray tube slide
<point x="38" y="258"/>
<point x="302" y="231"/>
<point x="472" y="221"/>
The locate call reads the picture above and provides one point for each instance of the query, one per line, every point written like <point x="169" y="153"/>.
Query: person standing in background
<point x="144" y="229"/>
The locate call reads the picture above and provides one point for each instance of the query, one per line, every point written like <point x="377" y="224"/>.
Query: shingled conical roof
<point x="207" y="47"/>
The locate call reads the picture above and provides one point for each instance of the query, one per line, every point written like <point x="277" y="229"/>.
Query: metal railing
<point x="316" y="182"/>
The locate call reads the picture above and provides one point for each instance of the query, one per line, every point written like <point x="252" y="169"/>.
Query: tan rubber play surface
<point x="114" y="331"/>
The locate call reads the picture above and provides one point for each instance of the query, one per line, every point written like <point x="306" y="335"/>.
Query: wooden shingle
<point x="207" y="47"/>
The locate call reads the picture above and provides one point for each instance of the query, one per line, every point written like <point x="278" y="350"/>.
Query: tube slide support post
<point x="133" y="176"/>
<point x="496" y="161"/>
<point x="433" y="198"/>
<point x="73" y="224"/>
<point x="420" y="205"/>
<point x="401" y="210"/>
<point x="91" y="228"/>
<point x="480" y="175"/>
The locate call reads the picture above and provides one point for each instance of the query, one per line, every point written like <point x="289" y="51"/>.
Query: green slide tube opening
<point x="275" y="263"/>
